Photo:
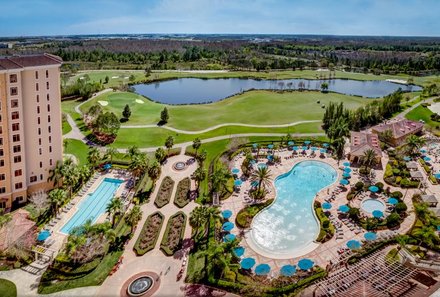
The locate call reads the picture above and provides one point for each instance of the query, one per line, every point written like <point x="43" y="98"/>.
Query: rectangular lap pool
<point x="94" y="204"/>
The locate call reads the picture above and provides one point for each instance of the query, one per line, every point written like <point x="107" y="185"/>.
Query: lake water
<point x="196" y="90"/>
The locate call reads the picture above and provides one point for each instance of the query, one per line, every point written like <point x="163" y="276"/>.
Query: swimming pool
<point x="288" y="227"/>
<point x="370" y="205"/>
<point x="94" y="204"/>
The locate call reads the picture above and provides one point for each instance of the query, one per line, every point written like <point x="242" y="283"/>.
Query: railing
<point x="414" y="261"/>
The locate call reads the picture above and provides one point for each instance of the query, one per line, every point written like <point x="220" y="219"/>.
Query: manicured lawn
<point x="77" y="148"/>
<point x="7" y="288"/>
<point x="254" y="107"/>
<point x="423" y="113"/>
<point x="66" y="127"/>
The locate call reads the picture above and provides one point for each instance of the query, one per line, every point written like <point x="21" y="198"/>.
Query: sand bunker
<point x="103" y="103"/>
<point x="115" y="76"/>
<point x="435" y="107"/>
<point x="139" y="101"/>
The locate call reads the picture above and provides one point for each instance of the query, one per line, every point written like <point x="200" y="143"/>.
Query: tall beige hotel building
<point x="30" y="125"/>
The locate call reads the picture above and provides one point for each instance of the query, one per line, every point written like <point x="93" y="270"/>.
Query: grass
<point x="253" y="107"/>
<point x="78" y="149"/>
<point x="66" y="127"/>
<point x="7" y="288"/>
<point x="423" y="113"/>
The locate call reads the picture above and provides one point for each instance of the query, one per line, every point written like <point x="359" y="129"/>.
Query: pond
<point x="196" y="90"/>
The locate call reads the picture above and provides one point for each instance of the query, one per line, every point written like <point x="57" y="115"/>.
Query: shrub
<point x="359" y="186"/>
<point x="174" y="233"/>
<point x="388" y="171"/>
<point x="393" y="220"/>
<point x="245" y="215"/>
<point x="150" y="233"/>
<point x="401" y="207"/>
<point x="181" y="199"/>
<point x="325" y="224"/>
<point x="397" y="194"/>
<point x="396" y="171"/>
<point x="164" y="194"/>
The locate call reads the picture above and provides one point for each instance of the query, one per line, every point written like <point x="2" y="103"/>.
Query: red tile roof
<point x="17" y="62"/>
<point x="363" y="141"/>
<point x="400" y="128"/>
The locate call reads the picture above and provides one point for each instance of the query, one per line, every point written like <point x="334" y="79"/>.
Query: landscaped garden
<point x="165" y="191"/>
<point x="7" y="288"/>
<point x="150" y="233"/>
<point x="182" y="198"/>
<point x="174" y="232"/>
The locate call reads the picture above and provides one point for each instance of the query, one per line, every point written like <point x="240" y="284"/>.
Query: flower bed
<point x="174" y="233"/>
<point x="181" y="199"/>
<point x="150" y="233"/>
<point x="245" y="215"/>
<point x="164" y="195"/>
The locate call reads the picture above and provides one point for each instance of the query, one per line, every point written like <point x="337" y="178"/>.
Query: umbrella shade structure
<point x="314" y="148"/>
<point x="346" y="175"/>
<point x="270" y="157"/>
<point x="247" y="263"/>
<point x="295" y="148"/>
<point x="262" y="269"/>
<point x="354" y="244"/>
<point x="226" y="214"/>
<point x="228" y="226"/>
<point x="238" y="251"/>
<point x="346" y="164"/>
<point x="437" y="175"/>
<point x="107" y="166"/>
<point x="238" y="182"/>
<point x="373" y="189"/>
<point x="377" y="214"/>
<point x="43" y="235"/>
<point x="304" y="148"/>
<point x="305" y="264"/>
<point x="426" y="159"/>
<point x="344" y="208"/>
<point x="255" y="145"/>
<point x="323" y="151"/>
<point x="229" y="237"/>
<point x="235" y="171"/>
<point x="370" y="236"/>
<point x="270" y="146"/>
<point x="347" y="170"/>
<point x="307" y="142"/>
<point x="288" y="270"/>
<point x="393" y="201"/>
<point x="423" y="151"/>
<point x="325" y="144"/>
<point x="254" y="183"/>
<point x="291" y="143"/>
<point x="326" y="205"/>
<point x="344" y="182"/>
<point x="406" y="158"/>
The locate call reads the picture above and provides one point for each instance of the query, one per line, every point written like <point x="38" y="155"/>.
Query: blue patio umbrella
<point x="235" y="170"/>
<point x="346" y="164"/>
<point x="254" y="183"/>
<point x="239" y="251"/>
<point x="228" y="226"/>
<point x="43" y="235"/>
<point x="326" y="205"/>
<point x="346" y="175"/>
<point x="438" y="228"/>
<point x="307" y="142"/>
<point x="323" y="151"/>
<point x="295" y="148"/>
<point x="247" y="263"/>
<point x="426" y="159"/>
<point x="354" y="244"/>
<point x="270" y="146"/>
<point x="255" y="145"/>
<point x="344" y="208"/>
<point x="238" y="182"/>
<point x="226" y="214"/>
<point x="314" y="148"/>
<point x="373" y="189"/>
<point x="305" y="264"/>
<point x="288" y="270"/>
<point x="392" y="201"/>
<point x="107" y="166"/>
<point x="370" y="236"/>
<point x="229" y="237"/>
<point x="290" y="143"/>
<point x="325" y="144"/>
<point x="346" y="169"/>
<point x="270" y="157"/>
<point x="423" y="151"/>
<point x="437" y="175"/>
<point x="262" y="269"/>
<point x="304" y="148"/>
<point x="377" y="214"/>
<point x="344" y="182"/>
<point x="406" y="158"/>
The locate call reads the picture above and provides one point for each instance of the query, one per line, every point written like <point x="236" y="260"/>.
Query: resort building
<point x="30" y="125"/>
<point x="360" y="142"/>
<point x="400" y="130"/>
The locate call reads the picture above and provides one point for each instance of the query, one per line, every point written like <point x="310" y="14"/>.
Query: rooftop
<point x="411" y="165"/>
<point x="18" y="62"/>
<point x="399" y="128"/>
<point x="363" y="141"/>
<point x="429" y="198"/>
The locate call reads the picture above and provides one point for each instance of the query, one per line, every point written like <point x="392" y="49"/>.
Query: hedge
<point x="181" y="198"/>
<point x="324" y="232"/>
<point x="149" y="234"/>
<point x="245" y="215"/>
<point x="164" y="194"/>
<point x="174" y="230"/>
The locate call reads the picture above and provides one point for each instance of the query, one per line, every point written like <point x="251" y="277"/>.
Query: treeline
<point x="81" y="88"/>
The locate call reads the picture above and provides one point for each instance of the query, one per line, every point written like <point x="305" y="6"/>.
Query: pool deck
<point x="322" y="253"/>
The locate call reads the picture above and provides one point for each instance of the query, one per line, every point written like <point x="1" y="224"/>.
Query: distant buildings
<point x="30" y="125"/>
<point x="400" y="130"/>
<point x="360" y="142"/>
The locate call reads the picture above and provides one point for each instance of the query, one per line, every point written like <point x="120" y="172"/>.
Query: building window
<point x="15" y="127"/>
<point x="39" y="131"/>
<point x="50" y="149"/>
<point x="17" y="148"/>
<point x="38" y="98"/>
<point x="50" y="162"/>
<point x="48" y="108"/>
<point x="14" y="103"/>
<point x="49" y="129"/>
<point x="33" y="179"/>
<point x="2" y="176"/>
<point x="16" y="137"/>
<point x="2" y="190"/>
<point x="37" y="87"/>
<point x="47" y="73"/>
<point x="41" y="164"/>
<point x="14" y="91"/>
<point x="18" y="172"/>
<point x="36" y="74"/>
<point x="2" y="163"/>
<point x="19" y="198"/>
<point x="38" y="109"/>
<point x="1" y="129"/>
<point x="39" y="141"/>
<point x="1" y="153"/>
<point x="13" y="78"/>
<point x="18" y="186"/>
<point x="50" y="139"/>
<point x="17" y="159"/>
<point x="47" y="85"/>
<point x="47" y="97"/>
<point x="38" y="120"/>
<point x="15" y="115"/>
<point x="1" y="141"/>
<point x="40" y="151"/>
<point x="41" y="176"/>
<point x="48" y="118"/>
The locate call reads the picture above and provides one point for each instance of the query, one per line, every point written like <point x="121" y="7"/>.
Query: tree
<point x="324" y="87"/>
<point x="369" y="159"/>
<point x="71" y="177"/>
<point x="138" y="165"/>
<point x="169" y="142"/>
<point x="94" y="111"/>
<point x="202" y="157"/>
<point x="198" y="176"/>
<point x="57" y="197"/>
<point x="126" y="113"/>
<point x="133" y="151"/>
<point x="426" y="235"/>
<point x="94" y="156"/>
<point x="56" y="174"/>
<point x="413" y="144"/>
<point x="154" y="171"/>
<point x="40" y="200"/>
<point x="219" y="179"/>
<point x="132" y="78"/>
<point x="196" y="145"/>
<point x="199" y="216"/>
<point x="111" y="153"/>
<point x="339" y="146"/>
<point x="164" y="116"/>
<point x="133" y="217"/>
<point x="106" y="123"/>
<point x="114" y="208"/>
<point x="262" y="176"/>
<point x="160" y="155"/>
<point x="106" y="79"/>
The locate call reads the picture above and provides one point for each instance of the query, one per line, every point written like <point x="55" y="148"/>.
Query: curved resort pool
<point x="370" y="205"/>
<point x="289" y="227"/>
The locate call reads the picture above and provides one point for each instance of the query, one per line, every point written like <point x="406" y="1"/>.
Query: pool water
<point x="370" y="205"/>
<point x="94" y="204"/>
<point x="289" y="225"/>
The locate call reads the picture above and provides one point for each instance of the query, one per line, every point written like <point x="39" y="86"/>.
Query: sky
<point x="333" y="17"/>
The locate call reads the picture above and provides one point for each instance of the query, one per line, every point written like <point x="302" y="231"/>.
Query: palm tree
<point x="218" y="257"/>
<point x="114" y="208"/>
<point x="110" y="235"/>
<point x="198" y="217"/>
<point x="402" y="240"/>
<point x="133" y="217"/>
<point x="413" y="144"/>
<point x="339" y="146"/>
<point x="422" y="212"/>
<point x="160" y="155"/>
<point x="71" y="178"/>
<point x="369" y="159"/>
<point x="84" y="173"/>
<point x="133" y="151"/>
<point x="57" y="197"/>
<point x="198" y="176"/>
<point x="426" y="235"/>
<point x="202" y="157"/>
<point x="94" y="156"/>
<point x="139" y="164"/>
<point x="56" y="174"/>
<point x="169" y="142"/>
<point x="219" y="179"/>
<point x="111" y="153"/>
<point x="262" y="176"/>
<point x="154" y="171"/>
<point x="196" y="145"/>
